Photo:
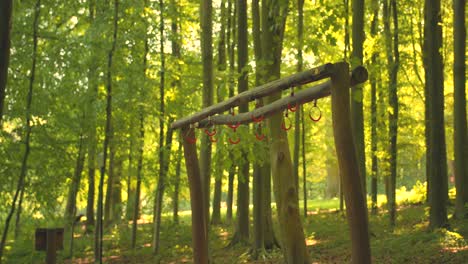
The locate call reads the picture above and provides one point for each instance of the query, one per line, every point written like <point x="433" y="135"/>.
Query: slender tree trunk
<point x="130" y="184"/>
<point x="304" y="167"/>
<point x="161" y="189"/>
<point x="297" y="114"/>
<point x="164" y="150"/>
<point x="373" y="83"/>
<point x="393" y="58"/>
<point x="230" y="194"/>
<point x="116" y="199"/>
<point x="261" y="171"/>
<point x="107" y="138"/>
<point x="357" y="92"/>
<point x="27" y="136"/>
<point x="141" y="143"/>
<point x="435" y="85"/>
<point x="459" y="94"/>
<point x="206" y="10"/>
<point x="216" y="214"/>
<point x="18" y="214"/>
<point x="231" y="46"/>
<point x="242" y="228"/>
<point x="175" y="199"/>
<point x="110" y="180"/>
<point x="92" y="141"/>
<point x="176" y="43"/>
<point x="70" y="208"/>
<point x="6" y="8"/>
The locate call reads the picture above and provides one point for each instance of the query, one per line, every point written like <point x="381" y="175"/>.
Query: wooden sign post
<point x="49" y="240"/>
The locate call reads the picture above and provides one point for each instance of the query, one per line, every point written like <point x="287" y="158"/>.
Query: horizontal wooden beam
<point x="358" y="76"/>
<point x="311" y="75"/>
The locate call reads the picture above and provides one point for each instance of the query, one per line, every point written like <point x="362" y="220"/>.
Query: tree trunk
<point x="110" y="180"/>
<point x="357" y="92"/>
<point x="116" y="199"/>
<point x="164" y="150"/>
<point x="373" y="83"/>
<point x="107" y="138"/>
<point x="242" y="229"/>
<point x="6" y="8"/>
<point x="176" y="43"/>
<point x="141" y="143"/>
<point x="393" y="58"/>
<point x="27" y="136"/>
<point x="435" y="86"/>
<point x="216" y="214"/>
<point x="70" y="208"/>
<point x="231" y="24"/>
<point x="130" y="184"/>
<point x="259" y="173"/>
<point x="161" y="188"/>
<point x="304" y="167"/>
<point x="356" y="210"/>
<point x="459" y="94"/>
<point x="206" y="10"/>
<point x="175" y="199"/>
<point x="297" y="114"/>
<point x="273" y="20"/>
<point x="92" y="112"/>
<point x="230" y="194"/>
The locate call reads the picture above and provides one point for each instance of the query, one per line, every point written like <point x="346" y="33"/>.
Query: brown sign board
<point x="41" y="238"/>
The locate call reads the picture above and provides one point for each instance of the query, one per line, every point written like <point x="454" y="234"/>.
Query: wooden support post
<point x="356" y="208"/>
<point x="51" y="246"/>
<point x="199" y="234"/>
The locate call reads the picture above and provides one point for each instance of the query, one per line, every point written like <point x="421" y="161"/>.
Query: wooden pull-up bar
<point x="338" y="87"/>
<point x="311" y="75"/>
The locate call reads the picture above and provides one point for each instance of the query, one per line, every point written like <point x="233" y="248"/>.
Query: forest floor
<point x="326" y="232"/>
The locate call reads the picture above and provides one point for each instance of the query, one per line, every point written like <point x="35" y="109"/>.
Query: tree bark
<point x="459" y="95"/>
<point x="273" y="17"/>
<point x="373" y="83"/>
<point x="141" y="143"/>
<point x="92" y="140"/>
<point x="110" y="180"/>
<point x="230" y="39"/>
<point x="390" y="11"/>
<point x="27" y="137"/>
<point x="216" y="214"/>
<point x="297" y="114"/>
<point x="175" y="199"/>
<point x="357" y="94"/>
<point x="70" y="208"/>
<point x="206" y="10"/>
<point x="6" y="8"/>
<point x="164" y="150"/>
<point x="176" y="46"/>
<point x="107" y="138"/>
<point x="435" y="86"/>
<point x="242" y="228"/>
<point x="160" y="190"/>
<point x="356" y="209"/>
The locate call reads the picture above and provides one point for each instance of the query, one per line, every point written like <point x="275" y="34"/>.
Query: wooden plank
<point x="297" y="79"/>
<point x="358" y="76"/>
<point x="199" y="232"/>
